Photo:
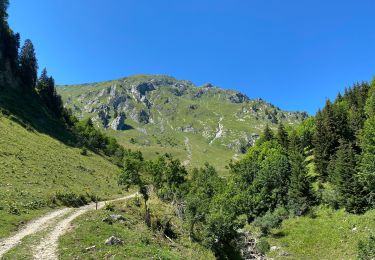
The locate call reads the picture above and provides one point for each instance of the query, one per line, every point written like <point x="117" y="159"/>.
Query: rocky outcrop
<point x="141" y="89"/>
<point x="246" y="243"/>
<point x="103" y="117"/>
<point x="118" y="123"/>
<point x="143" y="117"/>
<point x="238" y="98"/>
<point x="186" y="129"/>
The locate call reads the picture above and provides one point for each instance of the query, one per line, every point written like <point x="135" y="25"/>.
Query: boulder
<point x="113" y="218"/>
<point x="114" y="241"/>
<point x="117" y="218"/>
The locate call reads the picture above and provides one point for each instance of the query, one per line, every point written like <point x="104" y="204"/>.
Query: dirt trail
<point x="31" y="228"/>
<point x="52" y="237"/>
<point x="47" y="248"/>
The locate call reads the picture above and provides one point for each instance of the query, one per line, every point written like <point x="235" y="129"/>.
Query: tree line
<point x="326" y="160"/>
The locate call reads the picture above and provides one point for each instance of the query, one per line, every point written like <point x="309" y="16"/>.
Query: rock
<point x="284" y="253"/>
<point x="107" y="220"/>
<point x="113" y="218"/>
<point x="274" y="248"/>
<point x="103" y="117"/>
<point x="143" y="117"/>
<point x="187" y="129"/>
<point x="118" y="123"/>
<point x="207" y="86"/>
<point x="114" y="241"/>
<point x="140" y="90"/>
<point x="112" y="91"/>
<point x="90" y="248"/>
<point x="238" y="98"/>
<point x="117" y="218"/>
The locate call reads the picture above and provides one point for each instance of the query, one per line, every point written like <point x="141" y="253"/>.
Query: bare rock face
<point x="118" y="123"/>
<point x="103" y="116"/>
<point x="140" y="90"/>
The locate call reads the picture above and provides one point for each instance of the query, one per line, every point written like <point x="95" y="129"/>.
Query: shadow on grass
<point x="279" y="234"/>
<point x="26" y="109"/>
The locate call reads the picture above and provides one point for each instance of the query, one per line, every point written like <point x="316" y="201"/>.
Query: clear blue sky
<point x="294" y="54"/>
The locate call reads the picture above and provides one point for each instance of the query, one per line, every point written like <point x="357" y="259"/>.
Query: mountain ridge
<point x="161" y="111"/>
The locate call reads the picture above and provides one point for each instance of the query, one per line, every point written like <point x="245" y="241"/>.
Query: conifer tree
<point x="282" y="136"/>
<point x="267" y="135"/>
<point x="325" y="138"/>
<point x="345" y="179"/>
<point x="295" y="144"/>
<point x="300" y="195"/>
<point x="367" y="161"/>
<point x="3" y="10"/>
<point x="28" y="65"/>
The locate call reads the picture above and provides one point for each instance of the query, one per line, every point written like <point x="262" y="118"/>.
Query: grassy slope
<point x="34" y="165"/>
<point x="170" y="112"/>
<point x="140" y="242"/>
<point x="329" y="235"/>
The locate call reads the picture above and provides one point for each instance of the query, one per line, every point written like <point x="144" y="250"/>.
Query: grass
<point x="34" y="165"/>
<point x="140" y="242"/>
<point x="170" y="113"/>
<point x="328" y="235"/>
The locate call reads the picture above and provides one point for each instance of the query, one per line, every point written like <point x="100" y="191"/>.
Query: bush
<point x="270" y="220"/>
<point x="13" y="209"/>
<point x="71" y="199"/>
<point x="84" y="151"/>
<point x="366" y="249"/>
<point x="109" y="207"/>
<point x="262" y="246"/>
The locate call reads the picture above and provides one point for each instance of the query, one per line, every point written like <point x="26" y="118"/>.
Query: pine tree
<point x="345" y="179"/>
<point x="325" y="138"/>
<point x="28" y="65"/>
<point x="367" y="161"/>
<point x="295" y="143"/>
<point x="300" y="195"/>
<point x="370" y="103"/>
<point x="3" y="10"/>
<point x="282" y="136"/>
<point x="266" y="136"/>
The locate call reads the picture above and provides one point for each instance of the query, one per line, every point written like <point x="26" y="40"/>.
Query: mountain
<point x="156" y="113"/>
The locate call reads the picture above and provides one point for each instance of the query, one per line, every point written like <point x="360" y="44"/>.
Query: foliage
<point x="270" y="220"/>
<point x="262" y="246"/>
<point x="366" y="249"/>
<point x="28" y="65"/>
<point x="70" y="199"/>
<point x="367" y="162"/>
<point x="300" y="194"/>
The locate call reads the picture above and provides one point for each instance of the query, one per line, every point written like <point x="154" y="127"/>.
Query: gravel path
<point x="47" y="247"/>
<point x="31" y="228"/>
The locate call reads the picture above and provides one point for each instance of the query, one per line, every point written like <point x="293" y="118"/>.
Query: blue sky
<point x="293" y="53"/>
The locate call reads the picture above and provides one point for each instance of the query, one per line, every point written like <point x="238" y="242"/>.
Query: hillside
<point x="159" y="114"/>
<point x="35" y="166"/>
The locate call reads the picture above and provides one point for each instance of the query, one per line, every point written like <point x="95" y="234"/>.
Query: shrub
<point x="270" y="220"/>
<point x="262" y="246"/>
<point x="109" y="207"/>
<point x="71" y="199"/>
<point x="366" y="249"/>
<point x="13" y="209"/>
<point x="84" y="151"/>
